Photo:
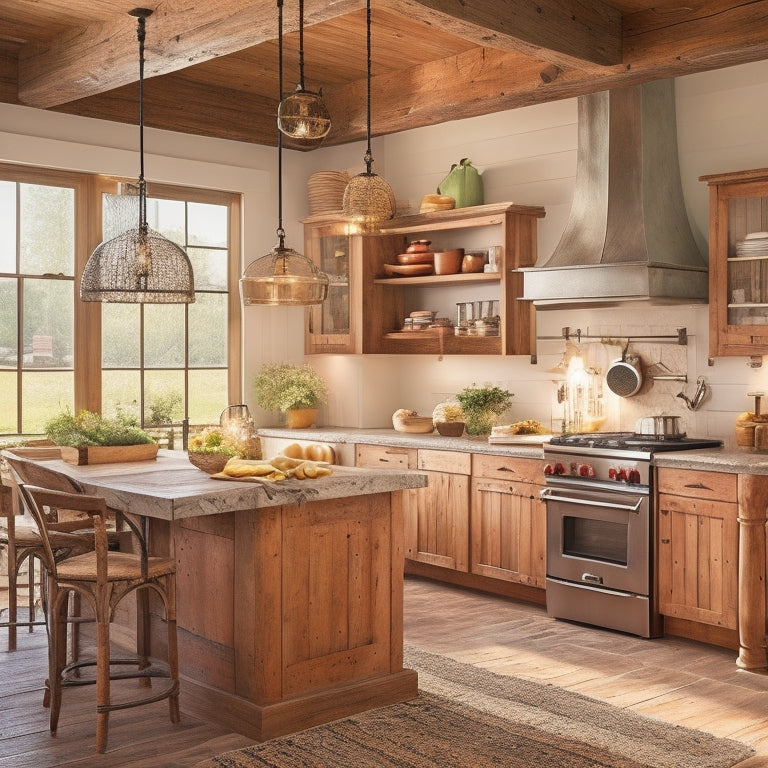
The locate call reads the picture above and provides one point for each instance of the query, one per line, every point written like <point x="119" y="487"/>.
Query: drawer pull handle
<point x="504" y="469"/>
<point x="665" y="541"/>
<point x="700" y="486"/>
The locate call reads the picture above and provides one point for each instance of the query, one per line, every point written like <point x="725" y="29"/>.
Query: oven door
<point x="599" y="538"/>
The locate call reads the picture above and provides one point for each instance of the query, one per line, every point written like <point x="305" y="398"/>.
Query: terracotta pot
<point x="448" y="262"/>
<point x="300" y="418"/>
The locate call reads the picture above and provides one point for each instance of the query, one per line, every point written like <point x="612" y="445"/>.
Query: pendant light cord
<point x="141" y="34"/>
<point x="301" y="44"/>
<point x="368" y="155"/>
<point x="280" y="230"/>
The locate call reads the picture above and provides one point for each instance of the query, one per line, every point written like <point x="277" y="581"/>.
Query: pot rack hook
<point x="695" y="402"/>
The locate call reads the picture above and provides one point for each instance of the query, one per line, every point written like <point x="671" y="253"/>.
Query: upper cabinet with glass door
<point x="338" y="325"/>
<point x="738" y="263"/>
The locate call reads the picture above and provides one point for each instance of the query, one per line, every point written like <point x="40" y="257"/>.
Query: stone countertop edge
<point x="745" y="461"/>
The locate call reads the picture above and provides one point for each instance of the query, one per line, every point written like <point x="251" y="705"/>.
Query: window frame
<point x="87" y="347"/>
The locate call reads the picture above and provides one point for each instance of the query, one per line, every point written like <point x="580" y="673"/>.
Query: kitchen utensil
<point x="418" y="257"/>
<point x="409" y="270"/>
<point x="474" y="261"/>
<point x="623" y="376"/>
<point x="658" y="426"/>
<point x="418" y="246"/>
<point x="448" y="262"/>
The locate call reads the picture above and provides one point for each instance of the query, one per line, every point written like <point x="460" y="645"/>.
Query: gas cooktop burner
<point x="632" y="440"/>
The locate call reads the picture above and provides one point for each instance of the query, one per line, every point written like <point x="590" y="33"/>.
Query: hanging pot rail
<point x="681" y="337"/>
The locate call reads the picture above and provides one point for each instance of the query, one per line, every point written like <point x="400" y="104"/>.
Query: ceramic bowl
<point x="448" y="262"/>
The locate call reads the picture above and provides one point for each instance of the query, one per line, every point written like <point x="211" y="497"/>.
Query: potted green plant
<point x="90" y="438"/>
<point x="295" y="390"/>
<point x="482" y="406"/>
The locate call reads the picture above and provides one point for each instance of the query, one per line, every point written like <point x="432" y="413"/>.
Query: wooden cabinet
<point x="342" y="323"/>
<point x="738" y="273"/>
<point x="365" y="310"/>
<point x="480" y="515"/>
<point x="436" y="517"/>
<point x="698" y="546"/>
<point x="508" y="521"/>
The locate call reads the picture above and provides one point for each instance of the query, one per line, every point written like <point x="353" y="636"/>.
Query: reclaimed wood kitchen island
<point x="289" y="595"/>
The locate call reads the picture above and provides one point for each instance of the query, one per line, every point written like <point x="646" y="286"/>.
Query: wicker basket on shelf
<point x="208" y="462"/>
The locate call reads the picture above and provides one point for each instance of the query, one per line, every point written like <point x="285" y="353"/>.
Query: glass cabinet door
<point x="747" y="275"/>
<point x="329" y="325"/>
<point x="738" y="263"/>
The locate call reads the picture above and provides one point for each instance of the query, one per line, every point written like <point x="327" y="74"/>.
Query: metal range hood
<point x="628" y="236"/>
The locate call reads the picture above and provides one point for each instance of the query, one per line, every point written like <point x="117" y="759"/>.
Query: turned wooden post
<point x="753" y="500"/>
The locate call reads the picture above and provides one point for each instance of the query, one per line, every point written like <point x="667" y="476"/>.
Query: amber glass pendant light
<point x="283" y="276"/>
<point x="139" y="265"/>
<point x="368" y="198"/>
<point x="303" y="114"/>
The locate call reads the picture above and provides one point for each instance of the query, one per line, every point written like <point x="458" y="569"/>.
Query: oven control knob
<point x="559" y="469"/>
<point x="586" y="470"/>
<point x="622" y="475"/>
<point x="613" y="473"/>
<point x="633" y="476"/>
<point x="549" y="469"/>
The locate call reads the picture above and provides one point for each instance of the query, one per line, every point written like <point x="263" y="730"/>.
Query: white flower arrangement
<point x="446" y="412"/>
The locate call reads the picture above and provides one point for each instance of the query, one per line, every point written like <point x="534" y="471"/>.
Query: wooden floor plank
<point x="676" y="680"/>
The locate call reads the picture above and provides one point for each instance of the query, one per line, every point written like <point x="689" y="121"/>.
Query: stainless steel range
<point x="599" y="500"/>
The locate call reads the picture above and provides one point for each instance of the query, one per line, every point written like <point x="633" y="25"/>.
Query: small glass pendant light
<point x="282" y="276"/>
<point x="368" y="198"/>
<point x="303" y="114"/>
<point x="139" y="265"/>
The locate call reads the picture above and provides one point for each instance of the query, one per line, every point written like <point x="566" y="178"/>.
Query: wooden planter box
<point x="108" y="454"/>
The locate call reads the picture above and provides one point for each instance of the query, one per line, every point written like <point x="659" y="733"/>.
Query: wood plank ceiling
<point x="211" y="66"/>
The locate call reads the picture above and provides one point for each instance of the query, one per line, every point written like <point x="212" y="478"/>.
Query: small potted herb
<point x="482" y="406"/>
<point x="295" y="390"/>
<point x="90" y="438"/>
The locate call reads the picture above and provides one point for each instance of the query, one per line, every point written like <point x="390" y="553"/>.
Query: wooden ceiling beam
<point x="104" y="56"/>
<point x="570" y="31"/>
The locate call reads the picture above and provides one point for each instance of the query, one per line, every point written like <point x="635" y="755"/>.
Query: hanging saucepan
<point x="624" y="377"/>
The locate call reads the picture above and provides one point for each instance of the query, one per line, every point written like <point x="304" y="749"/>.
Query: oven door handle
<point x="549" y="493"/>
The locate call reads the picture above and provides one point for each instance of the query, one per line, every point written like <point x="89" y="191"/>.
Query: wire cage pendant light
<point x="283" y="276"/>
<point x="303" y="114"/>
<point x="139" y="265"/>
<point x="368" y="198"/>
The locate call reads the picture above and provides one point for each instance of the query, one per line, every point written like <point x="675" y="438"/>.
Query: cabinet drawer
<point x="719" y="486"/>
<point x="508" y="468"/>
<point x="385" y="457"/>
<point x="456" y="462"/>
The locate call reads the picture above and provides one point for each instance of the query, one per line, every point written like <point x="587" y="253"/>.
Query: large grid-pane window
<point x="172" y="348"/>
<point x="157" y="361"/>
<point x="37" y="278"/>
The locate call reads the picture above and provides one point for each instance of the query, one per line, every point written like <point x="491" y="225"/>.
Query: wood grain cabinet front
<point x="698" y="546"/>
<point x="436" y="517"/>
<point x="508" y="520"/>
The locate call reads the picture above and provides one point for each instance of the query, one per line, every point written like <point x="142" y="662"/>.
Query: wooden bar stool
<point x="103" y="578"/>
<point x="22" y="540"/>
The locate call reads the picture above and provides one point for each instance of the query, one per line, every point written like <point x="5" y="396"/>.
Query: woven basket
<point x="325" y="191"/>
<point x="208" y="462"/>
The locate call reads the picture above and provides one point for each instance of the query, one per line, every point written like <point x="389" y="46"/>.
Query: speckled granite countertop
<point x="736" y="460"/>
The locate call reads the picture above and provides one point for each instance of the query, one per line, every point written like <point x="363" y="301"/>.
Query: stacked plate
<point x="753" y="244"/>
<point x="325" y="190"/>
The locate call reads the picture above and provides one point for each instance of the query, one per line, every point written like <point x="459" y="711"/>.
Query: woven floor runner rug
<point x="468" y="717"/>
